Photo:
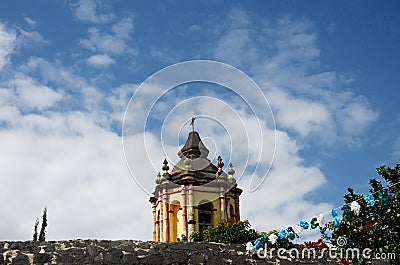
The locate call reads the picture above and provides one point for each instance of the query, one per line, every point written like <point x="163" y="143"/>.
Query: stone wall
<point x="133" y="252"/>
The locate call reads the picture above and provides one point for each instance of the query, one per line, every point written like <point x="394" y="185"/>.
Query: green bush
<point x="238" y="233"/>
<point x="376" y="226"/>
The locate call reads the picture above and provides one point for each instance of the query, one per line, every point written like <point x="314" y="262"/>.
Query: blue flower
<point x="281" y="233"/>
<point x="333" y="213"/>
<point x="304" y="224"/>
<point x="257" y="243"/>
<point x="336" y="221"/>
<point x="370" y="200"/>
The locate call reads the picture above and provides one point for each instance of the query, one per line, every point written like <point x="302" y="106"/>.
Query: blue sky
<point x="329" y="70"/>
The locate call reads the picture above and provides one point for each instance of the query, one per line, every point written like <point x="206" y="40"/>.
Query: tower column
<point x="190" y="212"/>
<point x="184" y="211"/>
<point x="237" y="212"/>
<point x="166" y="216"/>
<point x="228" y="210"/>
<point x="154" y="221"/>
<point x="161" y="221"/>
<point x="222" y="204"/>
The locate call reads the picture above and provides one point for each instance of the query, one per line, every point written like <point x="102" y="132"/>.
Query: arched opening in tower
<point x="205" y="210"/>
<point x="175" y="213"/>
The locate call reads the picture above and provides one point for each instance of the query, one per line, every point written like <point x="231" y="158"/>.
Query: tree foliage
<point x="238" y="233"/>
<point x="35" y="234"/>
<point x="377" y="225"/>
<point x="42" y="235"/>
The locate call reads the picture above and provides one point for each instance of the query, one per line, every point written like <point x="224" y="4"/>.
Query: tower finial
<point x="192" y="122"/>
<point x="220" y="164"/>
<point x="165" y="166"/>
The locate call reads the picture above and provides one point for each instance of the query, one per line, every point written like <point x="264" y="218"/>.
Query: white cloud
<point x="283" y="58"/>
<point x="9" y="113"/>
<point x="65" y="159"/>
<point x="356" y="117"/>
<point x="87" y="10"/>
<point x="7" y="44"/>
<point x="280" y="202"/>
<point x="115" y="42"/>
<point x="100" y="61"/>
<point x="194" y="28"/>
<point x="69" y="164"/>
<point x="10" y="40"/>
<point x="123" y="28"/>
<point x="300" y="115"/>
<point x="30" y="22"/>
<point x="79" y="93"/>
<point x="167" y="55"/>
<point x="238" y="18"/>
<point x="296" y="44"/>
<point x="235" y="47"/>
<point x="118" y="101"/>
<point x="32" y="95"/>
<point x="331" y="28"/>
<point x="157" y="54"/>
<point x="30" y="37"/>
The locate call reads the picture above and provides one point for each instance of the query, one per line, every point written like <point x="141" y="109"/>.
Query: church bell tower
<point x="194" y="195"/>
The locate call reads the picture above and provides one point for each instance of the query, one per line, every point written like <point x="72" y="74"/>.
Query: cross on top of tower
<point x="192" y="123"/>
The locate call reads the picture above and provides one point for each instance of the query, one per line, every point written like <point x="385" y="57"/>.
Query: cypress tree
<point x="35" y="234"/>
<point x="42" y="235"/>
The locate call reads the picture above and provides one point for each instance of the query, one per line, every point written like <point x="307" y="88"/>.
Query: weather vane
<point x="192" y="122"/>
